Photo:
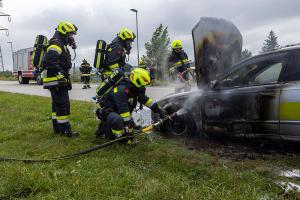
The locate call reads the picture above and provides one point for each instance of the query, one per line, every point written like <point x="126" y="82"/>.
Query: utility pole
<point x="2" y="14"/>
<point x="1" y="58"/>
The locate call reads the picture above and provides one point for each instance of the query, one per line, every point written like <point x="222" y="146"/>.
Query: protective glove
<point x="157" y="109"/>
<point x="129" y="125"/>
<point x="94" y="98"/>
<point x="172" y="69"/>
<point x="69" y="84"/>
<point x="100" y="114"/>
<point x="137" y="127"/>
<point x="36" y="72"/>
<point x="128" y="130"/>
<point x="129" y="134"/>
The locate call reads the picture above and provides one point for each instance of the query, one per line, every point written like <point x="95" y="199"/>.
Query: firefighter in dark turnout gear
<point x="115" y="114"/>
<point x="180" y="65"/>
<point x="57" y="63"/>
<point x="85" y="70"/>
<point x="115" y="60"/>
<point x="117" y="50"/>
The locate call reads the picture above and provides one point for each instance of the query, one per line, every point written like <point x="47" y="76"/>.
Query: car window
<point x="269" y="75"/>
<point x="237" y="77"/>
<point x="253" y="74"/>
<point x="291" y="71"/>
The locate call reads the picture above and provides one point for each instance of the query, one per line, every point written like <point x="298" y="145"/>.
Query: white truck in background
<point x="23" y="68"/>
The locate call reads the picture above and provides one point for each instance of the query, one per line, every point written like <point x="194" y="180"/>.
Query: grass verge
<point x="150" y="169"/>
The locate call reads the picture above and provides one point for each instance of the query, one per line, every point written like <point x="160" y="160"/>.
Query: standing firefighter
<point x="150" y="68"/>
<point x="85" y="70"/>
<point x="113" y="71"/>
<point x="57" y="63"/>
<point x="117" y="106"/>
<point x="180" y="66"/>
<point x="142" y="64"/>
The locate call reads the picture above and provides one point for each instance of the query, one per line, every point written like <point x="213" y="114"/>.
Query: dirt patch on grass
<point x="242" y="149"/>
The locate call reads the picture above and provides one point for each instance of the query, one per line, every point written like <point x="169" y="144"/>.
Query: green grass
<point x="7" y="75"/>
<point x="150" y="169"/>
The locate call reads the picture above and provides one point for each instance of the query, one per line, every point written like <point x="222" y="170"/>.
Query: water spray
<point x="161" y="121"/>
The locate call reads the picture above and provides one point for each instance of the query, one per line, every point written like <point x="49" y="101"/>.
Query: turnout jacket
<point x="124" y="98"/>
<point x="85" y="69"/>
<point x="179" y="60"/>
<point x="116" y="55"/>
<point x="58" y="57"/>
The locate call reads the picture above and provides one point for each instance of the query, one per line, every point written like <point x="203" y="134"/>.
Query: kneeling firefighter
<point x="116" y="108"/>
<point x="180" y="65"/>
<point x="85" y="69"/>
<point x="113" y="59"/>
<point x="56" y="65"/>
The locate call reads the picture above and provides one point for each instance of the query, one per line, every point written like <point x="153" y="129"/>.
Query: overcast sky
<point x="99" y="19"/>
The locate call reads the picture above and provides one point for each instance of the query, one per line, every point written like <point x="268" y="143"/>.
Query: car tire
<point x="22" y="80"/>
<point x="180" y="126"/>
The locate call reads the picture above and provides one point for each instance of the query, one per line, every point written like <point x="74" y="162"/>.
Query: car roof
<point x="286" y="48"/>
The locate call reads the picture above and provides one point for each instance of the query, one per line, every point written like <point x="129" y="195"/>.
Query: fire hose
<point x="91" y="149"/>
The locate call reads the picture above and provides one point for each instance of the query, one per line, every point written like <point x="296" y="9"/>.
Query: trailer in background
<point x="23" y="68"/>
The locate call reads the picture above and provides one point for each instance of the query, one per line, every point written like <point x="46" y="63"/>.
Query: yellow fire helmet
<point x="140" y="77"/>
<point x="66" y="27"/>
<point x="142" y="63"/>
<point x="126" y="34"/>
<point x="177" y="44"/>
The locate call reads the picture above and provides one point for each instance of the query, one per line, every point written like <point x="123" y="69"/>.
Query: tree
<point x="271" y="42"/>
<point x="157" y="49"/>
<point x="246" y="54"/>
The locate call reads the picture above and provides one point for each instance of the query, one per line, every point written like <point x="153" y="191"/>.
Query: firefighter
<point x="57" y="63"/>
<point x="117" y="51"/>
<point x="85" y="69"/>
<point x="180" y="65"/>
<point x="115" y="112"/>
<point x="115" y="60"/>
<point x="151" y="69"/>
<point x="142" y="64"/>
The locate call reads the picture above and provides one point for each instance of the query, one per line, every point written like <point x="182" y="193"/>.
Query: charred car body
<point x="257" y="97"/>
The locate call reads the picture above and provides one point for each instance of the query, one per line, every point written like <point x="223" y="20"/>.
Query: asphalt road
<point x="76" y="93"/>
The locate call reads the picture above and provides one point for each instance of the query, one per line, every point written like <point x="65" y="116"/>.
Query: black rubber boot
<point x="101" y="130"/>
<point x="55" y="126"/>
<point x="84" y="87"/>
<point x="65" y="130"/>
<point x="88" y="86"/>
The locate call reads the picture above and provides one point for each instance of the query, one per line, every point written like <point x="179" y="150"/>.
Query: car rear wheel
<point x="22" y="80"/>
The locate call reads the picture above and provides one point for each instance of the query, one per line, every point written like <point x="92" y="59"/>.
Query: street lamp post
<point x="137" y="35"/>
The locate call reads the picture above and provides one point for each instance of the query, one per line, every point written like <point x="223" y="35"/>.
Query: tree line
<point x="158" y="48"/>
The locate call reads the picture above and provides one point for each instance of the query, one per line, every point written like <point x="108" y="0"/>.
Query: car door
<point x="245" y="102"/>
<point x="290" y="98"/>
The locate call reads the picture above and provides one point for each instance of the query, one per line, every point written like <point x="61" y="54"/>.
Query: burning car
<point x="257" y="97"/>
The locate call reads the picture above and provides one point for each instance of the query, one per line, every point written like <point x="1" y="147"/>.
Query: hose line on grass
<point x="86" y="151"/>
<point x="64" y="157"/>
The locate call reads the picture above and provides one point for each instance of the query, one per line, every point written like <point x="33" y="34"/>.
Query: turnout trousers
<point x="60" y="109"/>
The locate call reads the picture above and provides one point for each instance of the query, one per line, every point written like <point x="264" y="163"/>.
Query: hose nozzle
<point x="160" y="122"/>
